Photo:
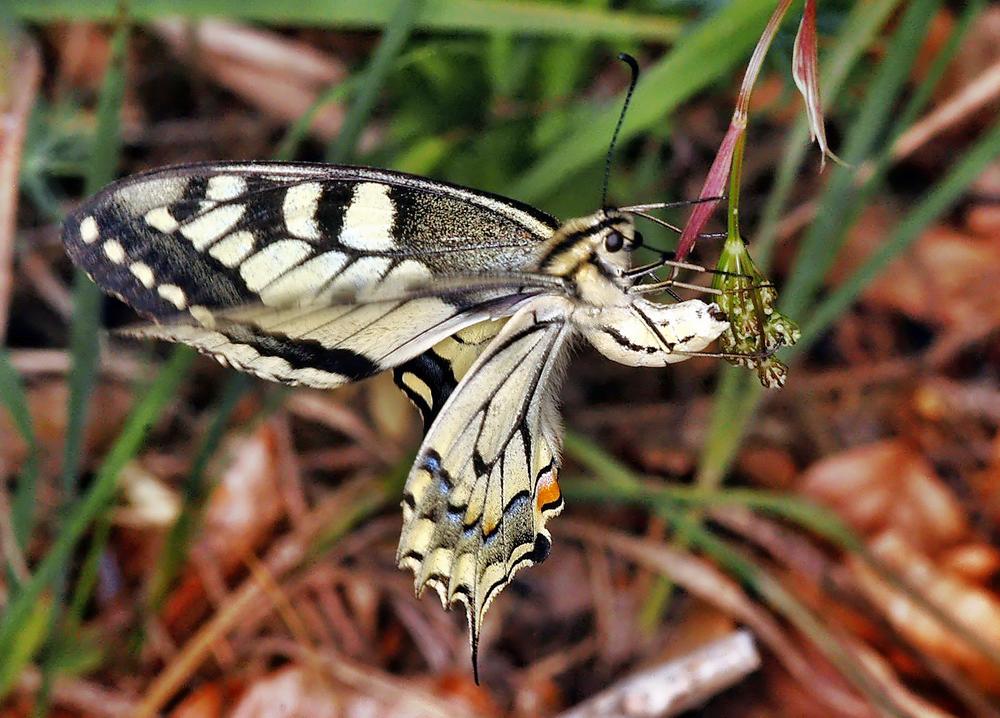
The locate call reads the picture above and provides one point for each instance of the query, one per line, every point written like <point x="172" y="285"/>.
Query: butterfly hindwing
<point x="484" y="483"/>
<point x="429" y="378"/>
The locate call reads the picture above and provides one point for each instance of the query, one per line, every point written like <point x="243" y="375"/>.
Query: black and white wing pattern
<point x="484" y="483"/>
<point x="430" y="378"/>
<point x="300" y="273"/>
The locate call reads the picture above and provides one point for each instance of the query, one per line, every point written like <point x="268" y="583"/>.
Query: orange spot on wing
<point x="548" y="491"/>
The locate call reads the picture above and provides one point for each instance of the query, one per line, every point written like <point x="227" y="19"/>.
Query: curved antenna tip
<point x="634" y="66"/>
<point x="630" y="61"/>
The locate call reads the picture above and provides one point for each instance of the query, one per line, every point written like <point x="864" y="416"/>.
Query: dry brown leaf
<point x="969" y="605"/>
<point x="888" y="485"/>
<point x="974" y="561"/>
<point x="246" y="503"/>
<point x="768" y="466"/>
<point x="205" y="702"/>
<point x="984" y="220"/>
<point x="292" y="691"/>
<point x="947" y="278"/>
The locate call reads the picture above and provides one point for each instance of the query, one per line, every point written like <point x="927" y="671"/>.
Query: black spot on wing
<point x="305" y="353"/>
<point x="172" y="259"/>
<point x="434" y="371"/>
<point x="541" y="549"/>
<point x="189" y="206"/>
<point x="333" y="202"/>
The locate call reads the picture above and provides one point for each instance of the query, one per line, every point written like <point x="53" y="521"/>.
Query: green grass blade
<point x="395" y="36"/>
<point x="93" y="502"/>
<point x="933" y="204"/>
<point x="618" y="484"/>
<point x="522" y="18"/>
<point x="15" y="399"/>
<point x="828" y="230"/>
<point x="738" y="397"/>
<point x="860" y="29"/>
<point x="85" y="327"/>
<point x="701" y="57"/>
<point x="195" y="492"/>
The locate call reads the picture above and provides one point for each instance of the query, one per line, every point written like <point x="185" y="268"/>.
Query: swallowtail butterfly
<point x="320" y="275"/>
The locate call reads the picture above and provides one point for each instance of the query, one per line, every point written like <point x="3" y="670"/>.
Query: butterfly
<point x="320" y="275"/>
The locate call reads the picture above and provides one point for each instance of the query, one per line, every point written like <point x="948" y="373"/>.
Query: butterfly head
<point x="604" y="240"/>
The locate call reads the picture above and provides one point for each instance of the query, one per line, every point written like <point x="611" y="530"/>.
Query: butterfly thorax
<point x="591" y="254"/>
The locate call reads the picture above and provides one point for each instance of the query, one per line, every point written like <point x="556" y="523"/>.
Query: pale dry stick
<point x="82" y="697"/>
<point x="602" y="594"/>
<point x="281" y="76"/>
<point x="267" y="50"/>
<point x="888" y="681"/>
<point x="708" y="583"/>
<point x="286" y="555"/>
<point x="17" y="97"/>
<point x="330" y="412"/>
<point x="39" y="274"/>
<point x="410" y="698"/>
<point x="38" y="362"/>
<point x="677" y="685"/>
<point x="971" y="98"/>
<point x="289" y="470"/>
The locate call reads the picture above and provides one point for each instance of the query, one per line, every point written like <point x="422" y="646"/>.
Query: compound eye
<point x="614" y="241"/>
<point x="637" y="240"/>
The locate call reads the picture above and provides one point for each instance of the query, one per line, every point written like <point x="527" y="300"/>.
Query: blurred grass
<point x="616" y="483"/>
<point x="15" y="399"/>
<point x="840" y="205"/>
<point x="702" y="56"/>
<point x="371" y="80"/>
<point x="196" y="487"/>
<point x="83" y="347"/>
<point x="92" y="504"/>
<point x="529" y="18"/>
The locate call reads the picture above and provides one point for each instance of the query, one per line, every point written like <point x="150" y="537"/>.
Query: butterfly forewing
<point x="305" y="274"/>
<point x="229" y="234"/>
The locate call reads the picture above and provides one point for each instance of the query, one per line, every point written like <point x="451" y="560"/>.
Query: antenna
<point x="630" y="61"/>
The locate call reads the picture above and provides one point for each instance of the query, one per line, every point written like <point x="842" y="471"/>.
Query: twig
<point x="80" y="696"/>
<point x="285" y="556"/>
<point x="36" y="362"/>
<point x="978" y="93"/>
<point x="282" y="77"/>
<point x="708" y="583"/>
<point x="678" y="685"/>
<point x="17" y="98"/>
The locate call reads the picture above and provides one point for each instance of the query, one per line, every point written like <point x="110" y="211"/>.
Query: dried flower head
<point x="756" y="328"/>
